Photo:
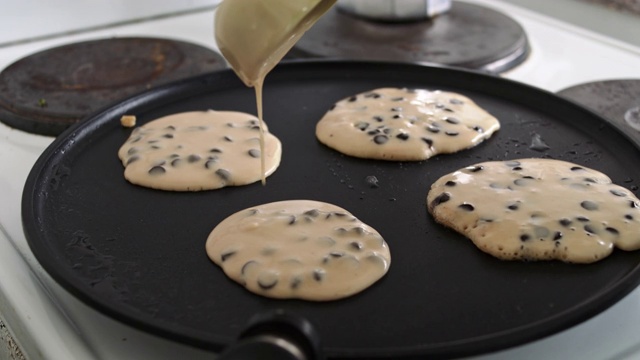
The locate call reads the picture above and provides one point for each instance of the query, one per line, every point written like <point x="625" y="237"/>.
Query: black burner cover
<point x="616" y="100"/>
<point x="469" y="36"/>
<point x="47" y="92"/>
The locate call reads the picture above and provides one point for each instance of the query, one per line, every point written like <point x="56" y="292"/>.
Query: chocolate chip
<point x="402" y="136"/>
<point x="576" y="168"/>
<point x="475" y="168"/>
<point x="215" y="150"/>
<point x="442" y="198"/>
<point x="617" y="192"/>
<point x="589" y="229"/>
<point x="210" y="162"/>
<point x="614" y="231"/>
<point x="292" y="219"/>
<point x="295" y="282"/>
<point x="582" y="219"/>
<point x="628" y="217"/>
<point x="374" y="132"/>
<point x="266" y="284"/>
<point x="170" y="127"/>
<point x="157" y="170"/>
<point x="521" y="182"/>
<point x="452" y="133"/>
<point x="524" y="237"/>
<point x="132" y="151"/>
<point x="352" y="99"/>
<point x="565" y="222"/>
<point x="355" y="245"/>
<point x="254" y="153"/>
<point x="397" y="116"/>
<point x="176" y="162"/>
<point x="478" y="129"/>
<point x="132" y="159"/>
<point x="223" y="174"/>
<point x="227" y="138"/>
<point x="456" y="101"/>
<point x="450" y="183"/>
<point x="318" y="274"/>
<point x="432" y="129"/>
<point x="358" y="230"/>
<point x="226" y="255"/>
<point x="372" y="95"/>
<point x="193" y="158"/>
<point x="452" y="120"/>
<point x="513" y="207"/>
<point x="362" y="125"/>
<point x="380" y="139"/>
<point x="633" y="204"/>
<point x="246" y="266"/>
<point x="516" y="168"/>
<point x="168" y="136"/>
<point x="466" y="207"/>
<point x="428" y="141"/>
<point x="336" y="254"/>
<point x="254" y="127"/>
<point x="589" y="205"/>
<point x="312" y="212"/>
<point x="512" y="163"/>
<point x="378" y="118"/>
<point x="557" y="235"/>
<point x="541" y="232"/>
<point x="396" y="109"/>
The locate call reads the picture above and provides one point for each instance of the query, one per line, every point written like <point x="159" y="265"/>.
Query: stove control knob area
<point x="275" y="335"/>
<point x="395" y="10"/>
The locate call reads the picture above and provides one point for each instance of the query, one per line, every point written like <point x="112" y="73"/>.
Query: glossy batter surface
<point x="404" y="124"/>
<point x="199" y="150"/>
<point x="537" y="209"/>
<point x="299" y="249"/>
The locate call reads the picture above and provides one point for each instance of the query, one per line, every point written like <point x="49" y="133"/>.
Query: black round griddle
<point x="138" y="255"/>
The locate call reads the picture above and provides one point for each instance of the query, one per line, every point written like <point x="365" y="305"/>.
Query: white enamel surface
<point x="50" y="324"/>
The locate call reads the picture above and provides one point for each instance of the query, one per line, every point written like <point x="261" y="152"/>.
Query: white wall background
<point x="22" y="20"/>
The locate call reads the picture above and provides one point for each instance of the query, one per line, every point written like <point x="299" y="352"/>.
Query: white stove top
<point x="48" y="323"/>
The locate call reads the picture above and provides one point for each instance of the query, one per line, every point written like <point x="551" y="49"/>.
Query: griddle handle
<point x="275" y="335"/>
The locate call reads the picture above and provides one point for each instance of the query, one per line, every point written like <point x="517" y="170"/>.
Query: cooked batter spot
<point x="196" y="150"/>
<point x="547" y="209"/>
<point x="404" y="124"/>
<point x="299" y="249"/>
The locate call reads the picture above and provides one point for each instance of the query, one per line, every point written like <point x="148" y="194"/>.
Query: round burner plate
<point x="47" y="92"/>
<point x="468" y="36"/>
<point x="616" y="100"/>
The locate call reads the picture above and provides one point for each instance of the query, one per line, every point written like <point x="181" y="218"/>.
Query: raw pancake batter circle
<point x="537" y="209"/>
<point x="299" y="249"/>
<point x="198" y="150"/>
<point x="404" y="124"/>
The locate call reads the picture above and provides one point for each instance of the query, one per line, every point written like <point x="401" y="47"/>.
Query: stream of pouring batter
<point x="254" y="35"/>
